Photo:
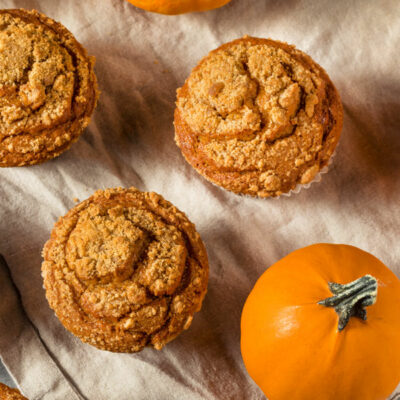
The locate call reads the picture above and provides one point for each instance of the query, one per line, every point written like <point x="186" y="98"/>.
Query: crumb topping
<point x="260" y="109"/>
<point x="36" y="76"/>
<point x="125" y="269"/>
<point x="47" y="88"/>
<point x="7" y="393"/>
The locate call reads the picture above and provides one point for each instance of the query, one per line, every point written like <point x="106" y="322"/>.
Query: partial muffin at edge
<point x="258" y="117"/>
<point x="48" y="88"/>
<point x="7" y="393"/>
<point x="125" y="269"/>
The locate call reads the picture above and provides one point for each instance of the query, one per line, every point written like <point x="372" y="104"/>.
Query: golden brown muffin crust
<point x="125" y="269"/>
<point x="258" y="117"/>
<point x="7" y="393"/>
<point x="48" y="89"/>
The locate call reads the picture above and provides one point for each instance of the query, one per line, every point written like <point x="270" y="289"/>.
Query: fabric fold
<point x="22" y="350"/>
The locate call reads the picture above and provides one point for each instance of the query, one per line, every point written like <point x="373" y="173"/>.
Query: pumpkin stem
<point x="349" y="300"/>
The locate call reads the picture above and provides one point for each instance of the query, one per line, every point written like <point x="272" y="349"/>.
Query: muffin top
<point x="47" y="86"/>
<point x="125" y="269"/>
<point x="258" y="117"/>
<point x="6" y="393"/>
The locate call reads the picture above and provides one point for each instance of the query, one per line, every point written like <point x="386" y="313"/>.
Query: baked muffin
<point x="258" y="117"/>
<point x="6" y="393"/>
<point x="125" y="269"/>
<point x="48" y="88"/>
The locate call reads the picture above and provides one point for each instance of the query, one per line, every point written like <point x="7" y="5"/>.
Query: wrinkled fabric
<point x="19" y="338"/>
<point x="141" y="59"/>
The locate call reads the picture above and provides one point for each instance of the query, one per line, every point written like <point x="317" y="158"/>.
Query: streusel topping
<point x="48" y="89"/>
<point x="130" y="265"/>
<point x="36" y="77"/>
<point x="7" y="393"/>
<point x="255" y="107"/>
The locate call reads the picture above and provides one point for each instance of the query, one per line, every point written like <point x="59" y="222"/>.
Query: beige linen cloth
<point x="141" y="59"/>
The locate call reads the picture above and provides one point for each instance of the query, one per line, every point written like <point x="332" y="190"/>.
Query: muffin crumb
<point x="124" y="270"/>
<point x="48" y="89"/>
<point x="7" y="393"/>
<point x="258" y="117"/>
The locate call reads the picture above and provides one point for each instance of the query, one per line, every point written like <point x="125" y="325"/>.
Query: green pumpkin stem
<point x="350" y="300"/>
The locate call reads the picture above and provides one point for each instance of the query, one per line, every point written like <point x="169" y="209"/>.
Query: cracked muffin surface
<point x="47" y="85"/>
<point x="7" y="393"/>
<point x="125" y="269"/>
<point x="258" y="117"/>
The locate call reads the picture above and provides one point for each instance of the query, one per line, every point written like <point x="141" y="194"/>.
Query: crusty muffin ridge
<point x="125" y="269"/>
<point x="7" y="393"/>
<point x="258" y="117"/>
<point x="48" y="88"/>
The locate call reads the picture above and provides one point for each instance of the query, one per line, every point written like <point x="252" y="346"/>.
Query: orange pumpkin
<point x="173" y="7"/>
<point x="323" y="323"/>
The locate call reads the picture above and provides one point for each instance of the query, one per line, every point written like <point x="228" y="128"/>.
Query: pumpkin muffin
<point x="125" y="269"/>
<point x="6" y="393"/>
<point x="48" y="88"/>
<point x="258" y="117"/>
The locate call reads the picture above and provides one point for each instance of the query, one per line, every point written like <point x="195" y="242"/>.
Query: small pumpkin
<point x="173" y="7"/>
<point x="324" y="323"/>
